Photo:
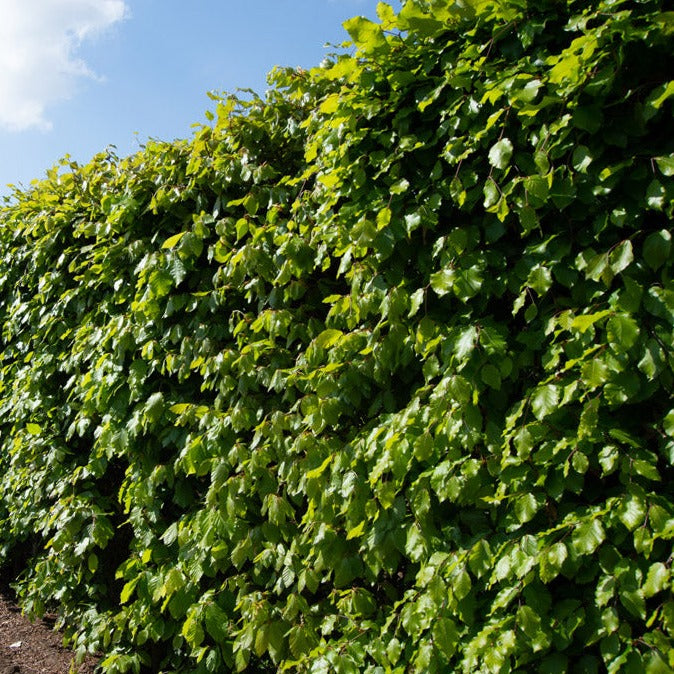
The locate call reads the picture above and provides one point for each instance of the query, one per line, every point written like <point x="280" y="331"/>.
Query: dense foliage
<point x="371" y="375"/>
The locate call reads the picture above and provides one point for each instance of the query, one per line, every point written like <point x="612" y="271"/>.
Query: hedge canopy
<point x="372" y="374"/>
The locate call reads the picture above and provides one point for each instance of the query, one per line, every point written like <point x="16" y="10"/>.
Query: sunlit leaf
<point x="500" y="153"/>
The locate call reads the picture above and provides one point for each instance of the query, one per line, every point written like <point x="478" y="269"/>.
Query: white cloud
<point x="38" y="47"/>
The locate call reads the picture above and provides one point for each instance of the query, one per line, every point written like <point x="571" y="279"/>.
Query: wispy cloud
<point x="38" y="53"/>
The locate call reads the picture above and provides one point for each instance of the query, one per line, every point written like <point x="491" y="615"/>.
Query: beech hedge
<point x="372" y="374"/>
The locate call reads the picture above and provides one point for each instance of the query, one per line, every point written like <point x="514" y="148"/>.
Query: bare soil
<point x="34" y="647"/>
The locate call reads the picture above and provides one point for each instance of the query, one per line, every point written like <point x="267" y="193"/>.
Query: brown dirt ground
<point x="34" y="647"/>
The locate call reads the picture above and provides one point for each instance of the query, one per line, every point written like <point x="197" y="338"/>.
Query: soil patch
<point x="34" y="647"/>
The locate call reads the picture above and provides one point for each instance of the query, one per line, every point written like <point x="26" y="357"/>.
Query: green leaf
<point x="584" y="321"/>
<point x="300" y="641"/>
<point x="328" y="338"/>
<point x="542" y="162"/>
<point x="655" y="660"/>
<point x="242" y="228"/>
<point x="551" y="561"/>
<point x="445" y="636"/>
<point x="386" y="15"/>
<point x="491" y="192"/>
<point x="412" y="222"/>
<point x="261" y="641"/>
<point x="480" y="559"/>
<point x="524" y="442"/>
<point x="656" y="98"/>
<point x="537" y="187"/>
<point x="383" y="218"/>
<point x="580" y="463"/>
<point x="646" y="469"/>
<point x="605" y="591"/>
<point x="415" y="547"/>
<point x="621" y="256"/>
<point x="154" y="408"/>
<point x="657" y="248"/>
<point x="665" y="22"/>
<point x="469" y="283"/>
<point x="633" y="601"/>
<point x="588" y="118"/>
<point x="216" y="622"/>
<point x="655" y="195"/>
<point x="500" y="153"/>
<point x="622" y="331"/>
<point x="317" y="472"/>
<point x="192" y="629"/>
<point x="631" y="296"/>
<point x="491" y="376"/>
<point x="544" y="400"/>
<point x="276" y="639"/>
<point x="329" y="104"/>
<point x="172" y="241"/>
<point x="442" y="282"/>
<point x="458" y="240"/>
<point x="588" y="423"/>
<point x="526" y="506"/>
<point x="177" y="270"/>
<point x="653" y="359"/>
<point x="127" y="590"/>
<point x="528" y="219"/>
<point x="666" y="165"/>
<point x="540" y="279"/>
<point x="251" y="204"/>
<point x="632" y="512"/>
<point x="668" y="423"/>
<point x="609" y="458"/>
<point x="587" y="537"/>
<point x="657" y="579"/>
<point x="563" y="191"/>
<point x="528" y="621"/>
<point x="366" y="35"/>
<point x="530" y="313"/>
<point x="581" y="159"/>
<point x="357" y="531"/>
<point x="529" y="91"/>
<point x="597" y="267"/>
<point x="461" y="584"/>
<point x="416" y="299"/>
<point x="424" y="24"/>
<point x="465" y="343"/>
<point x="457" y="191"/>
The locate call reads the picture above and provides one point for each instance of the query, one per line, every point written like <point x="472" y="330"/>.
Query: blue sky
<point x="79" y="75"/>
